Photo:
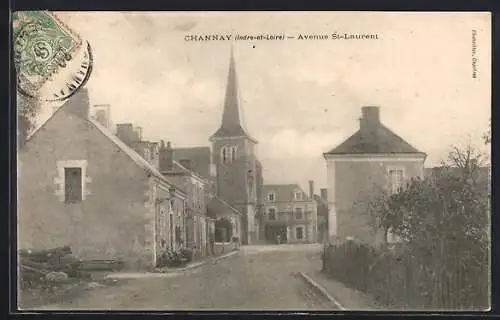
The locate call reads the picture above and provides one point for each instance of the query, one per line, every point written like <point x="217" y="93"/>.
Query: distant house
<point x="322" y="208"/>
<point x="227" y="219"/>
<point x="481" y="176"/>
<point x="80" y="185"/>
<point x="290" y="213"/>
<point x="199" y="159"/>
<point x="194" y="185"/>
<point x="373" y="157"/>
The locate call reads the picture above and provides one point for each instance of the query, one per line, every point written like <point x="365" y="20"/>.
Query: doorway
<point x="272" y="233"/>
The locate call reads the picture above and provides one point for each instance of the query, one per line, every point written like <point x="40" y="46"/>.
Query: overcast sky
<point x="299" y="98"/>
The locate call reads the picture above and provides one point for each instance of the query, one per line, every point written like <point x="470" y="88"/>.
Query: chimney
<point x="166" y="157"/>
<point x="102" y="114"/>
<point x="324" y="194"/>
<point x="186" y="163"/>
<point x="370" y="119"/>
<point x="138" y="131"/>
<point x="311" y="189"/>
<point x="78" y="104"/>
<point x="162" y="155"/>
<point x="126" y="133"/>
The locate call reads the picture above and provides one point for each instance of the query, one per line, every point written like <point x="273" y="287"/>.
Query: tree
<point x="444" y="221"/>
<point x="27" y="110"/>
<point x="487" y="135"/>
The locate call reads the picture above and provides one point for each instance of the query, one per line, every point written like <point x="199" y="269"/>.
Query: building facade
<point x="288" y="213"/>
<point x="374" y="158"/>
<point x="235" y="161"/>
<point x="80" y="185"/>
<point x="227" y="220"/>
<point x="195" y="187"/>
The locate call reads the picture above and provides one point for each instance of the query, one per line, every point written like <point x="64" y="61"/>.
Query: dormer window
<point x="229" y="154"/>
<point x="298" y="195"/>
<point x="271" y="196"/>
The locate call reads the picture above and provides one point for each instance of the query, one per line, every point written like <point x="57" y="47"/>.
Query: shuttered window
<point x="73" y="185"/>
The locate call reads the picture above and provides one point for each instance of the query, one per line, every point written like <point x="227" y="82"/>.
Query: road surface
<point x="257" y="278"/>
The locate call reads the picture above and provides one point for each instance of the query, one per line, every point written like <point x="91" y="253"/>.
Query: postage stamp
<point x="45" y="49"/>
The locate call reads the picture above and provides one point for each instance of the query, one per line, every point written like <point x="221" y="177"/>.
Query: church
<point x="238" y="173"/>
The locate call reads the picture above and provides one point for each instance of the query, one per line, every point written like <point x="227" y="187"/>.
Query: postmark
<point x="52" y="61"/>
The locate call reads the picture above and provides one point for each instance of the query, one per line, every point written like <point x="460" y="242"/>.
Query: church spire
<point x="231" y="122"/>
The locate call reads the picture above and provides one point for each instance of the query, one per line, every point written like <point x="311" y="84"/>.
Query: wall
<point x="285" y="215"/>
<point x="111" y="222"/>
<point x="232" y="177"/>
<point x="351" y="184"/>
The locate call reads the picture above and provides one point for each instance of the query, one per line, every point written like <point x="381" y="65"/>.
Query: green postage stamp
<point x="43" y="47"/>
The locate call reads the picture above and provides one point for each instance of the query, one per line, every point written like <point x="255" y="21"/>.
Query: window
<point x="73" y="185"/>
<point x="271" y="212"/>
<point x="298" y="195"/>
<point x="391" y="237"/>
<point x="396" y="180"/>
<point x="224" y="155"/>
<point x="298" y="213"/>
<point x="229" y="154"/>
<point x="271" y="197"/>
<point x="233" y="153"/>
<point x="299" y="233"/>
<point x="72" y="182"/>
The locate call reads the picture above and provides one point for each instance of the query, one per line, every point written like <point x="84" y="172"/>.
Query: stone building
<point x="236" y="166"/>
<point x="373" y="157"/>
<point x="289" y="213"/>
<point x="195" y="187"/>
<point x="80" y="185"/>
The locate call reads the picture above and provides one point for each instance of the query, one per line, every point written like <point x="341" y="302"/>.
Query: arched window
<point x="229" y="154"/>
<point x="233" y="153"/>
<point x="224" y="155"/>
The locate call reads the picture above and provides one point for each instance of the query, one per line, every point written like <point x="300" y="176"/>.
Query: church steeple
<point x="231" y="123"/>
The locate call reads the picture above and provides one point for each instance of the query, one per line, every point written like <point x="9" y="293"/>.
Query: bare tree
<point x="27" y="110"/>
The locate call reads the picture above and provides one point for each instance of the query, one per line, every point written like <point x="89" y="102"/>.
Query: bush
<point x="442" y="261"/>
<point x="349" y="263"/>
<point x="175" y="258"/>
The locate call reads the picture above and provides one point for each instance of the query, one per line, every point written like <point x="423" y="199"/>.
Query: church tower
<point x="233" y="152"/>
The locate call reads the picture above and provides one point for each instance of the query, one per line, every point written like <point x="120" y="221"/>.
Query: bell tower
<point x="233" y="152"/>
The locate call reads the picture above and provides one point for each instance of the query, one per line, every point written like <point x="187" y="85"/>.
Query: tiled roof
<point x="133" y="155"/>
<point x="231" y="122"/>
<point x="383" y="140"/>
<point x="140" y="161"/>
<point x="284" y="192"/>
<point x="179" y="169"/>
<point x="199" y="156"/>
<point x="217" y="207"/>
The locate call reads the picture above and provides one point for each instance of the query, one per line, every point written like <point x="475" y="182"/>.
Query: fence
<point x="397" y="278"/>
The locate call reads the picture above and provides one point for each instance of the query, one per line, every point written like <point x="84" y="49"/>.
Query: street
<point x="257" y="278"/>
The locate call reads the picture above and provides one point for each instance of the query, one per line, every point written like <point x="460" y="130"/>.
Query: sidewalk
<point x="349" y="299"/>
<point x="168" y="272"/>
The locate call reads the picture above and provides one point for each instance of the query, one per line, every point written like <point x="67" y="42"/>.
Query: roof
<point x="134" y="156"/>
<point x="140" y="161"/>
<point x="284" y="192"/>
<point x="483" y="172"/>
<point x="218" y="207"/>
<point x="179" y="169"/>
<point x="383" y="140"/>
<point x="231" y="125"/>
<point x="200" y="158"/>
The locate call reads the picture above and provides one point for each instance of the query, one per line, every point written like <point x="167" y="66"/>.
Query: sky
<point x="299" y="98"/>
